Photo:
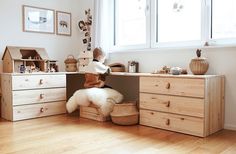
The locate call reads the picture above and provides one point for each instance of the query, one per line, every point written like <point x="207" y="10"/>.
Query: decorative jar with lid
<point x="199" y="65"/>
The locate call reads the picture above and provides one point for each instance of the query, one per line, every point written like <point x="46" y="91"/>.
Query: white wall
<point x="58" y="47"/>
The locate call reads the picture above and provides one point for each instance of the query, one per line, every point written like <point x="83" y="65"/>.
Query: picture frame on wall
<point x="39" y="20"/>
<point x="63" y="23"/>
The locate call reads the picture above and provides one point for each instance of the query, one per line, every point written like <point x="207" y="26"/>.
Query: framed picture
<point x="38" y="20"/>
<point x="63" y="23"/>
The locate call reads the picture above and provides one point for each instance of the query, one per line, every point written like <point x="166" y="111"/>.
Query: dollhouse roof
<point x="16" y="52"/>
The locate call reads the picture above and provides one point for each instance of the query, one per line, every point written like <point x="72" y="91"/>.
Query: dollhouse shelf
<point x="29" y="60"/>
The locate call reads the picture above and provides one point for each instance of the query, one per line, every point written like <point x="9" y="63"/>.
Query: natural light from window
<point x="130" y="22"/>
<point x="223" y="19"/>
<point x="178" y="20"/>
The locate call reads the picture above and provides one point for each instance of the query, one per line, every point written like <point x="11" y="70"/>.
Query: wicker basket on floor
<point x="125" y="114"/>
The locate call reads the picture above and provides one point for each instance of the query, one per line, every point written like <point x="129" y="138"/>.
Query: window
<point x="130" y="22"/>
<point x="223" y="19"/>
<point x="141" y="24"/>
<point x="178" y="20"/>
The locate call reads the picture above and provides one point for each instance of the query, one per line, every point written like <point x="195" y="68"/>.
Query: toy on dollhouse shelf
<point x="27" y="60"/>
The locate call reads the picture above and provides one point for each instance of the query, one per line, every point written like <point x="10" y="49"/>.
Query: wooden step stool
<point x="92" y="112"/>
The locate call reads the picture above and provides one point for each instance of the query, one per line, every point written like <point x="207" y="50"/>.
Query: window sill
<point x="173" y="48"/>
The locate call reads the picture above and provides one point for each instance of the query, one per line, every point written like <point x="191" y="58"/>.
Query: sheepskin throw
<point x="104" y="98"/>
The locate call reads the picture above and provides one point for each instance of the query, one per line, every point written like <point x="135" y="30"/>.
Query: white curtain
<point x="103" y="23"/>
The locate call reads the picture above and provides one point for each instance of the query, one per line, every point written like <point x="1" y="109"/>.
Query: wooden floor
<point x="67" y="134"/>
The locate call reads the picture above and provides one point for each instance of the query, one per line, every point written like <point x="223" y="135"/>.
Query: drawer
<point x="173" y="104"/>
<point x="38" y="96"/>
<point x="38" y="110"/>
<point x="173" y="86"/>
<point x="183" y="124"/>
<point x="38" y="81"/>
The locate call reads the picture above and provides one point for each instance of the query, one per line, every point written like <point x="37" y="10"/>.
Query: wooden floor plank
<point x="72" y="135"/>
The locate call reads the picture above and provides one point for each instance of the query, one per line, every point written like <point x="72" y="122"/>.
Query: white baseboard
<point x="230" y="127"/>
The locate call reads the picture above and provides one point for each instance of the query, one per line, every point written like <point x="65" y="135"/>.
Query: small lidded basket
<point x="71" y="64"/>
<point x="199" y="65"/>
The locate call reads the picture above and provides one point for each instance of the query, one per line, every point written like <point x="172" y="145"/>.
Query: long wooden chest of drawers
<point x="183" y="104"/>
<point x="26" y="96"/>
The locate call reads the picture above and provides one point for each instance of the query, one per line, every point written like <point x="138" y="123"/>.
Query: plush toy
<point x="103" y="98"/>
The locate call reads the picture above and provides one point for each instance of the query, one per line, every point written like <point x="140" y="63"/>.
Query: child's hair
<point x="97" y="52"/>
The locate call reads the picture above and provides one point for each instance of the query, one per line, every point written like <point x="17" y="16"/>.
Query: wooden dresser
<point x="26" y="96"/>
<point x="187" y="104"/>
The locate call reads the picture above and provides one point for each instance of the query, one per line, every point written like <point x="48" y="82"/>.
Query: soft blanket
<point x="103" y="98"/>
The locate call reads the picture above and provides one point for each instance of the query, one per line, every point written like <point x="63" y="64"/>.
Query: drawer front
<point x="39" y="96"/>
<point x="38" y="110"/>
<point x="173" y="104"/>
<point x="173" y="86"/>
<point x="183" y="124"/>
<point x="38" y="81"/>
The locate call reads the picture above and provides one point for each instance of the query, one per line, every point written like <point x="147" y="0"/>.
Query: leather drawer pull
<point x="41" y="81"/>
<point x="168" y="122"/>
<point x="42" y="110"/>
<point x="168" y="86"/>
<point x="168" y="104"/>
<point x="41" y="96"/>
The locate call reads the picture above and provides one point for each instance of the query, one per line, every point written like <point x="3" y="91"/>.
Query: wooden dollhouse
<point x="32" y="59"/>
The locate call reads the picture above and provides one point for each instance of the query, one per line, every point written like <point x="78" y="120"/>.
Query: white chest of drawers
<point x="26" y="96"/>
<point x="191" y="105"/>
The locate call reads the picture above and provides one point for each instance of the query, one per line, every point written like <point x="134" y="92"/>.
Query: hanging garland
<point x="85" y="26"/>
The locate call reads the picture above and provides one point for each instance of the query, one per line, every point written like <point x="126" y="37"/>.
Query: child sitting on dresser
<point x="96" y="71"/>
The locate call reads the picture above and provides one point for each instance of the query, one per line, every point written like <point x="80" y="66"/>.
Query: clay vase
<point x="199" y="66"/>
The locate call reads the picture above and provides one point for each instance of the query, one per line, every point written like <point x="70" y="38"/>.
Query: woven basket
<point x="125" y="114"/>
<point x="117" y="67"/>
<point x="126" y="119"/>
<point x="199" y="66"/>
<point x="71" y="64"/>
